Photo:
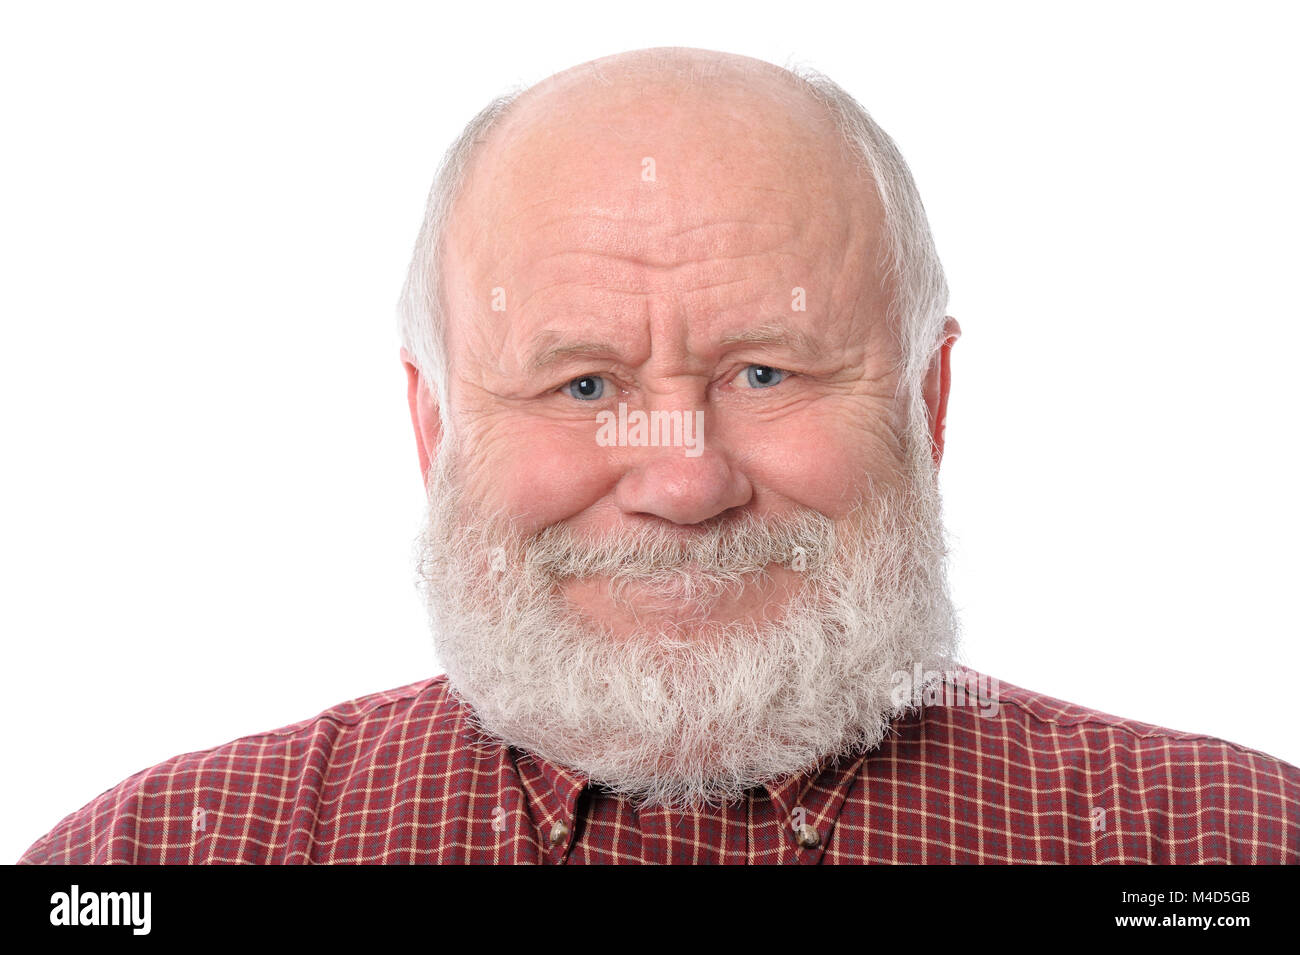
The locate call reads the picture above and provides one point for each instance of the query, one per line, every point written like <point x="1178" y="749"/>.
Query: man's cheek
<point x="812" y="467"/>
<point x="548" y="476"/>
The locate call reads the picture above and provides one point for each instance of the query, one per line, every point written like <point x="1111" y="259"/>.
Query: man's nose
<point x="681" y="487"/>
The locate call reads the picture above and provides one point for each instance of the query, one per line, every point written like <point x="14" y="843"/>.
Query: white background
<point x="210" y="486"/>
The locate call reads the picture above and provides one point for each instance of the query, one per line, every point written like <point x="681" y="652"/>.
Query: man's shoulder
<point x="1037" y="717"/>
<point x="971" y="704"/>
<point x="1120" y="789"/>
<point x="165" y="812"/>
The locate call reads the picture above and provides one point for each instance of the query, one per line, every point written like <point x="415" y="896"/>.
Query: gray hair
<point x="916" y="312"/>
<point x="421" y="311"/>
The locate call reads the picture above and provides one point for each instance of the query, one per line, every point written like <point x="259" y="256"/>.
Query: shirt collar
<point x="553" y="792"/>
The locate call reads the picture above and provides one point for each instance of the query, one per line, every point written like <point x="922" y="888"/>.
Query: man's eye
<point x="586" y="388"/>
<point x="762" y="376"/>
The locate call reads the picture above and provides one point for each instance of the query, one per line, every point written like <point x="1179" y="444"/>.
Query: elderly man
<point x="678" y="363"/>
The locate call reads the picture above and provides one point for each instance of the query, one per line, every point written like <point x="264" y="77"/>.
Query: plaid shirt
<point x="402" y="777"/>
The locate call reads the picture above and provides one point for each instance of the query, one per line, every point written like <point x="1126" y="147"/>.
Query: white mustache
<point x="723" y="553"/>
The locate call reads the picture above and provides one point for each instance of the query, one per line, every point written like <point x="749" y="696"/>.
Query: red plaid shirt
<point x="400" y="776"/>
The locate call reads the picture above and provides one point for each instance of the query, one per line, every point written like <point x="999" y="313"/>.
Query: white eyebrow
<point x="552" y="355"/>
<point x="774" y="333"/>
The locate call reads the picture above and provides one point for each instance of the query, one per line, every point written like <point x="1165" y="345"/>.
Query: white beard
<point x="677" y="715"/>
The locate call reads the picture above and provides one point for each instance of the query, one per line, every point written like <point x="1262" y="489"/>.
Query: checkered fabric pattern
<point x="402" y="777"/>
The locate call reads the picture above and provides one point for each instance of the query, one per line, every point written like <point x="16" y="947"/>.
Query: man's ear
<point x="424" y="414"/>
<point x="937" y="379"/>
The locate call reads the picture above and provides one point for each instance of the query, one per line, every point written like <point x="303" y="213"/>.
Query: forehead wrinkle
<point x="588" y="301"/>
<point x="617" y="238"/>
<point x="601" y="272"/>
<point x="634" y="263"/>
<point x="638" y="264"/>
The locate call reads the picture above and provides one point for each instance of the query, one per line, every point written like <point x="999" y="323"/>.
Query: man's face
<point x="684" y="621"/>
<point x="737" y="282"/>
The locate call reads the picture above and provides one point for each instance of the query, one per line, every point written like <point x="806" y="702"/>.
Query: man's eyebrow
<point x="549" y="356"/>
<point x="774" y="333"/>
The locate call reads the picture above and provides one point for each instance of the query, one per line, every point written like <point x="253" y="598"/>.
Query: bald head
<point x="716" y="104"/>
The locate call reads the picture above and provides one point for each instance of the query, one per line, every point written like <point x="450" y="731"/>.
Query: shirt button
<point x="808" y="837"/>
<point x="559" y="833"/>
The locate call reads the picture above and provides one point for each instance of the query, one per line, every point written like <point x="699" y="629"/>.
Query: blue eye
<point x="586" y="388"/>
<point x="761" y="376"/>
